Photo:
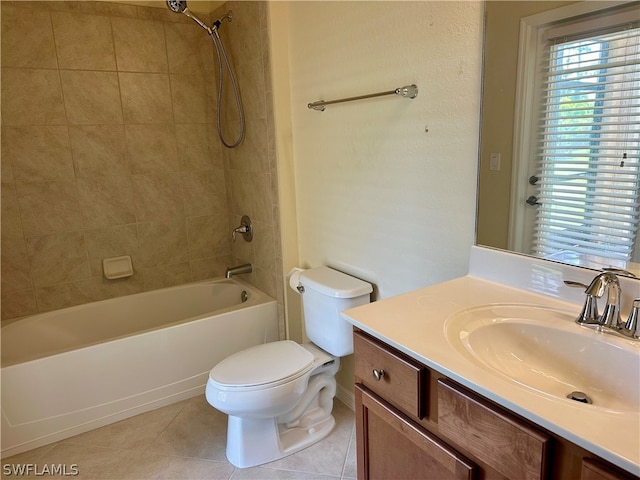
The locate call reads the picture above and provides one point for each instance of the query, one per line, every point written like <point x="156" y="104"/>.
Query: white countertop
<point x="414" y="324"/>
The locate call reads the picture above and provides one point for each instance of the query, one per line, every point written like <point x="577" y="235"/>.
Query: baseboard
<point x="346" y="396"/>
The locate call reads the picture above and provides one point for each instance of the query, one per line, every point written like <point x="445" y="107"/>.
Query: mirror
<point x="502" y="31"/>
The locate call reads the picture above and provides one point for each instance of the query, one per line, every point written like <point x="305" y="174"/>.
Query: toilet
<point x="279" y="395"/>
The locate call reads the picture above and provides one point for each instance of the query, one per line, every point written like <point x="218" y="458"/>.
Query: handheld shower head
<point x="177" y="6"/>
<point x="180" y="6"/>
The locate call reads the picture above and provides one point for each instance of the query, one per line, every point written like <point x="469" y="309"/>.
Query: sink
<point x="544" y="350"/>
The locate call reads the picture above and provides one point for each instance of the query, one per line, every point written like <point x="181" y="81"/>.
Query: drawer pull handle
<point x="378" y="374"/>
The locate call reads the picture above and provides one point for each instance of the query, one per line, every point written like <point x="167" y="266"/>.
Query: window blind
<point x="588" y="144"/>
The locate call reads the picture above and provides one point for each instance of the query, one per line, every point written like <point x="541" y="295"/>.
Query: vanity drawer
<point x="493" y="436"/>
<point x="392" y="375"/>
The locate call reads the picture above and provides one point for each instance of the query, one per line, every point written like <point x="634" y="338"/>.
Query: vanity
<point x="468" y="379"/>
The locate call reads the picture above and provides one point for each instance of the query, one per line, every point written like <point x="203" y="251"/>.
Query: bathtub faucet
<point x="231" y="271"/>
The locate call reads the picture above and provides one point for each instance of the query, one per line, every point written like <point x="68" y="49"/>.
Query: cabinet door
<point x="593" y="470"/>
<point x="392" y="447"/>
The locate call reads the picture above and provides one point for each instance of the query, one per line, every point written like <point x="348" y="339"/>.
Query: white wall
<point x="376" y="195"/>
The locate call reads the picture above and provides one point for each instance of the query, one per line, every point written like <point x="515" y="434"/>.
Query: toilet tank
<point x="328" y="292"/>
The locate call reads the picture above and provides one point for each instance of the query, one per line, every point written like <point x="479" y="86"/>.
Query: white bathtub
<point x="69" y="371"/>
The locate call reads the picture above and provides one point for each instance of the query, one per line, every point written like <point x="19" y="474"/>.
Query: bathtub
<point x="72" y="370"/>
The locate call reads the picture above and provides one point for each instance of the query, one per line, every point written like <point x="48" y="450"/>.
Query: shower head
<point x="180" y="6"/>
<point x="177" y="6"/>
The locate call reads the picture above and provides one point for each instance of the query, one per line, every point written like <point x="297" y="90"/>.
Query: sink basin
<point x="543" y="349"/>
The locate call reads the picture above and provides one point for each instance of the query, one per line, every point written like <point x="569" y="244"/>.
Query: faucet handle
<point x="632" y="327"/>
<point x="589" y="314"/>
<point x="619" y="271"/>
<point x="245" y="228"/>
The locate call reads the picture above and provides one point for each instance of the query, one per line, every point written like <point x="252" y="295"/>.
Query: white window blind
<point x="589" y="144"/>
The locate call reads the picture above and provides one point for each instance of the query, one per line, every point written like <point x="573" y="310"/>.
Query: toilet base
<point x="255" y="441"/>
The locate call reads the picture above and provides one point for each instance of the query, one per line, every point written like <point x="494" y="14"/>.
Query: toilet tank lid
<point x="333" y="283"/>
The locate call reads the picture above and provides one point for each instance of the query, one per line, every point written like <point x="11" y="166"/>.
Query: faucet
<point x="245" y="228"/>
<point x="632" y="327"/>
<point x="231" y="271"/>
<point x="609" y="322"/>
<point x="607" y="282"/>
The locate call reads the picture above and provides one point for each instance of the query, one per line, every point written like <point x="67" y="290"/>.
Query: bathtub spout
<point x="231" y="271"/>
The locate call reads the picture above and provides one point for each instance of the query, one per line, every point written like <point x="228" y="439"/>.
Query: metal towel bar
<point x="408" y="91"/>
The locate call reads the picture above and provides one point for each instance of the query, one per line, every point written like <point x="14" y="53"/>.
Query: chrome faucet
<point x="632" y="327"/>
<point x="607" y="282"/>
<point x="231" y="271"/>
<point x="610" y="321"/>
<point x="245" y="228"/>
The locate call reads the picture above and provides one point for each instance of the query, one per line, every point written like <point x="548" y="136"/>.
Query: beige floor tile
<point x="187" y="440"/>
<point x="199" y="431"/>
<point x="95" y="463"/>
<point x="265" y="473"/>
<point x="328" y="456"/>
<point x="152" y="467"/>
<point x="135" y="433"/>
<point x="350" y="465"/>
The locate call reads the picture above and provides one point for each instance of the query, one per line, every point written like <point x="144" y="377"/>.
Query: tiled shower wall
<point x="109" y="148"/>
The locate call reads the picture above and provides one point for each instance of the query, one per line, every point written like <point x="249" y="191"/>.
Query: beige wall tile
<point x="192" y="97"/>
<point x="122" y="173"/>
<point x="10" y="213"/>
<point x="146" y="97"/>
<point x="106" y="201"/>
<point x="83" y="41"/>
<point x="18" y="303"/>
<point x="98" y="150"/>
<point x="27" y="39"/>
<point x="209" y="236"/>
<point x="91" y="97"/>
<point x="158" y="196"/>
<point x="53" y="297"/>
<point x="204" y="192"/>
<point x="152" y="149"/>
<point x="112" y="242"/>
<point x="31" y="97"/>
<point x="58" y="258"/>
<point x="6" y="172"/>
<point x="204" y="268"/>
<point x="253" y="156"/>
<point x="163" y="243"/>
<point x="239" y="193"/>
<point x="261" y="202"/>
<point x="16" y="273"/>
<point x="107" y="8"/>
<point x="39" y="153"/>
<point x="251" y="80"/>
<point x="264" y="245"/>
<point x="167" y="275"/>
<point x="49" y="207"/>
<point x="91" y="290"/>
<point x="140" y="45"/>
<point x="245" y="39"/>
<point x="189" y="49"/>
<point x="197" y="149"/>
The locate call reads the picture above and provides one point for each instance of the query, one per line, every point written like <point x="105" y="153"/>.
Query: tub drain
<point x="579" y="397"/>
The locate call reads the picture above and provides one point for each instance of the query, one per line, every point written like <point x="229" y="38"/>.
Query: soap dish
<point x="117" y="267"/>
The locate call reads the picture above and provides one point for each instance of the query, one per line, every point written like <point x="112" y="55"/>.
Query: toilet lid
<point x="273" y="362"/>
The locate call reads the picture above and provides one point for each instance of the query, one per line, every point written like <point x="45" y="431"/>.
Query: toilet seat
<point x="263" y="366"/>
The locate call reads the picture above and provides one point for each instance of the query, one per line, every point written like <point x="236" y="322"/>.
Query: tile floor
<point x="187" y="440"/>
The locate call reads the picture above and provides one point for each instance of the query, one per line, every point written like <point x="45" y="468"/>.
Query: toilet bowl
<point x="279" y="395"/>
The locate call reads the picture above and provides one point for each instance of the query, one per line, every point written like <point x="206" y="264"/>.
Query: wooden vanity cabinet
<point x="414" y="423"/>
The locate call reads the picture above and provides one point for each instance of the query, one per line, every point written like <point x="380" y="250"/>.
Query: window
<point x="580" y="124"/>
<point x="589" y="138"/>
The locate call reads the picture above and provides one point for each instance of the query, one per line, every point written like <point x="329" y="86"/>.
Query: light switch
<point x="494" y="161"/>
